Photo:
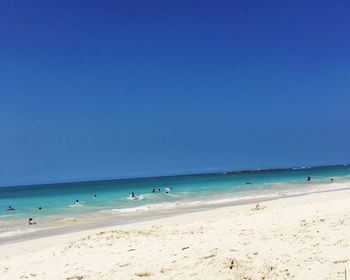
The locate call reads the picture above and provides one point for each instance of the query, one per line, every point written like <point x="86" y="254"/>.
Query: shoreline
<point x="95" y="223"/>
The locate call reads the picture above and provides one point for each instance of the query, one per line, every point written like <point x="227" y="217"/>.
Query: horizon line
<point x="176" y="174"/>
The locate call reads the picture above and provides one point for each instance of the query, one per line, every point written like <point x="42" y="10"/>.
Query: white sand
<point x="304" y="237"/>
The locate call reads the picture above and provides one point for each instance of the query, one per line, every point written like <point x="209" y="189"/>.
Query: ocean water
<point x="112" y="197"/>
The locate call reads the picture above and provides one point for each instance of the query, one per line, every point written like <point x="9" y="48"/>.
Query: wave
<point x="302" y="167"/>
<point x="16" y="232"/>
<point x="283" y="190"/>
<point x="5" y="216"/>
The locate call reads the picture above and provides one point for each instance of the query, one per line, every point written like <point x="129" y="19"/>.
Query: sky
<point x="115" y="89"/>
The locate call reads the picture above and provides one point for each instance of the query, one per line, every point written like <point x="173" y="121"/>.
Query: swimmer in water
<point x="31" y="222"/>
<point x="133" y="196"/>
<point x="168" y="189"/>
<point x="95" y="195"/>
<point x="35" y="209"/>
<point x="10" y="208"/>
<point x="308" y="179"/>
<point x="77" y="202"/>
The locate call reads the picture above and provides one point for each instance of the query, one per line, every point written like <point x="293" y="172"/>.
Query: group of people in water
<point x="167" y="190"/>
<point x="31" y="221"/>
<point x="133" y="196"/>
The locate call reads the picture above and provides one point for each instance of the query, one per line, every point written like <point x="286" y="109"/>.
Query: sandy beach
<point x="304" y="237"/>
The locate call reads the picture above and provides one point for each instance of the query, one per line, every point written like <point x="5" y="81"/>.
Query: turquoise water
<point x="58" y="200"/>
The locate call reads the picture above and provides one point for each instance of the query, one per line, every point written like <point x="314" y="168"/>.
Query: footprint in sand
<point x="78" y="277"/>
<point x="164" y="270"/>
<point x="143" y="274"/>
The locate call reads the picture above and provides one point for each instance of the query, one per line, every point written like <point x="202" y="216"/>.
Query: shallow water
<point x="190" y="191"/>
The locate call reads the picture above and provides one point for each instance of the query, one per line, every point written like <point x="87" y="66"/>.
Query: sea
<point x="53" y="206"/>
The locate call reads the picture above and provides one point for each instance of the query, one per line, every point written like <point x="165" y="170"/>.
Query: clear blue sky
<point x="108" y="89"/>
